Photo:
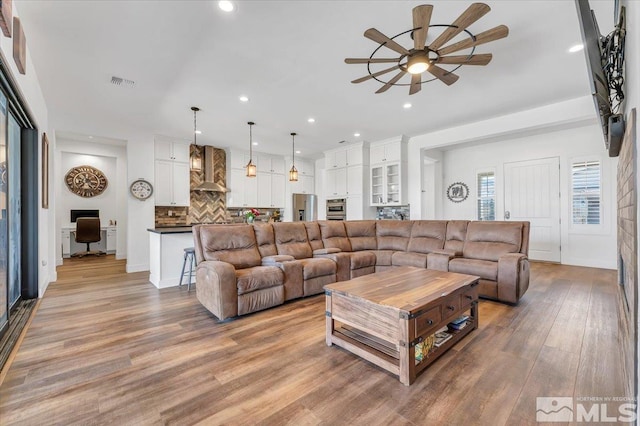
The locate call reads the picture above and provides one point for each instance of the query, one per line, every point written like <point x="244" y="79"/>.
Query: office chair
<point x="88" y="231"/>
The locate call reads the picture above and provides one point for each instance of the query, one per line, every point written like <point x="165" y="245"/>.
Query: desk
<point x="107" y="243"/>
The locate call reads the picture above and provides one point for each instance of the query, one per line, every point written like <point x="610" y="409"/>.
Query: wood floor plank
<point x="107" y="347"/>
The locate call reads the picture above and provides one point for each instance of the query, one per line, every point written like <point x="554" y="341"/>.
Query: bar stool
<point x="189" y="256"/>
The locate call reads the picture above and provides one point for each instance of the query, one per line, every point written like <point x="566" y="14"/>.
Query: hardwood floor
<point x="107" y="347"/>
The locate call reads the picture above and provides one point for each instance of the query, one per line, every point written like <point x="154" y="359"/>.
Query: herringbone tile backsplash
<point x="205" y="206"/>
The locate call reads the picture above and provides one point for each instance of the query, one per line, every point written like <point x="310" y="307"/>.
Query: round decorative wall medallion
<point x="141" y="189"/>
<point x="86" y="181"/>
<point x="457" y="192"/>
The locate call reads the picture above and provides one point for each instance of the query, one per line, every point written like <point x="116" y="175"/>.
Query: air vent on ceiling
<point x="119" y="81"/>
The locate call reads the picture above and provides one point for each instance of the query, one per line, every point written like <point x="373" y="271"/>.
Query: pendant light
<point x="293" y="173"/>
<point x="251" y="168"/>
<point x="195" y="159"/>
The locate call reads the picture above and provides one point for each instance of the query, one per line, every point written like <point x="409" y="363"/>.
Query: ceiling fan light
<point x="418" y="64"/>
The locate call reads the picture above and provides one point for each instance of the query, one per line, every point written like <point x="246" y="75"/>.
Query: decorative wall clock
<point x="86" y="181"/>
<point x="141" y="189"/>
<point x="457" y="192"/>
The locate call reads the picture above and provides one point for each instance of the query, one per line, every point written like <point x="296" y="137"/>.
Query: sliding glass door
<point x="15" y="234"/>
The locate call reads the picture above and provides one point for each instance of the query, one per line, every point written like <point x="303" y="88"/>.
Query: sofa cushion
<point x="259" y="277"/>
<point x="362" y="234"/>
<point x="291" y="239"/>
<point x="265" y="239"/>
<point x="456" y="234"/>
<point x="362" y="259"/>
<point x="317" y="267"/>
<point x="393" y="234"/>
<point x="483" y="268"/>
<point x="427" y="236"/>
<point x="334" y="235"/>
<point x="232" y="244"/>
<point x="401" y="258"/>
<point x="490" y="240"/>
<point x="313" y="235"/>
<point x="383" y="257"/>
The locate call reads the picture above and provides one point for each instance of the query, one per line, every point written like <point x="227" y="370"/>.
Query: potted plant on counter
<point x="250" y="215"/>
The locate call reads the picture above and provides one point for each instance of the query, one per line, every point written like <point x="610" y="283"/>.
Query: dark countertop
<point x="171" y="230"/>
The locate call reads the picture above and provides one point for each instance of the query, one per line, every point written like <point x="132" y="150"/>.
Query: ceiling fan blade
<point x="370" y="60"/>
<point x="416" y="83"/>
<point x="481" y="59"/>
<point x="446" y="77"/>
<point x="468" y="17"/>
<point x="391" y="82"/>
<point x="375" y="74"/>
<point x="421" y="19"/>
<point x="378" y="37"/>
<point x="496" y="33"/>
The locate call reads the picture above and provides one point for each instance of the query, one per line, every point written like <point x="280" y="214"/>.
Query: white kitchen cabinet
<point x="171" y="183"/>
<point x="172" y="151"/>
<point x="388" y="177"/>
<point x="354" y="207"/>
<point x="304" y="185"/>
<point x="238" y="159"/>
<point x="305" y="167"/>
<point x="354" y="180"/>
<point x="336" y="182"/>
<point x="271" y="187"/>
<point x="387" y="186"/>
<point x="243" y="191"/>
<point x="354" y="155"/>
<point x="269" y="163"/>
<point x="336" y="158"/>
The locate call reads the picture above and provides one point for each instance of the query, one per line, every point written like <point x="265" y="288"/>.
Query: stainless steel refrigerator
<point x="305" y="207"/>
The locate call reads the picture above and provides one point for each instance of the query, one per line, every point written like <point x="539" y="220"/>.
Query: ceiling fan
<point x="423" y="58"/>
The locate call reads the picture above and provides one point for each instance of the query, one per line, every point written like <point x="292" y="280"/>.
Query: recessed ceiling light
<point x="406" y="106"/>
<point x="90" y="137"/>
<point x="576" y="48"/>
<point x="356" y="135"/>
<point x="254" y="143"/>
<point x="311" y="120"/>
<point x="244" y="99"/>
<point x="298" y="152"/>
<point x="198" y="132"/>
<point x="226" y="6"/>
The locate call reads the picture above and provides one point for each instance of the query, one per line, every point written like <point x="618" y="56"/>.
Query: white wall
<point x="595" y="247"/>
<point x="112" y="203"/>
<point x="29" y="87"/>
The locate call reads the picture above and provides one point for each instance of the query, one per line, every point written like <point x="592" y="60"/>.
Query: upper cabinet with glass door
<point x="389" y="172"/>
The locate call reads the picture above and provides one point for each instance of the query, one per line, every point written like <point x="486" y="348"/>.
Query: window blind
<point x="486" y="196"/>
<point x="585" y="189"/>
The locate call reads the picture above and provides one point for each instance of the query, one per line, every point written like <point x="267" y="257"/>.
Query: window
<point x="585" y="193"/>
<point x="486" y="196"/>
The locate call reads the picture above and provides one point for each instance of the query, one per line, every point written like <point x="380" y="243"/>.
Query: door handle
<point x="507" y="214"/>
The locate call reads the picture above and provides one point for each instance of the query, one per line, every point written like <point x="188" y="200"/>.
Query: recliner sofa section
<point x="247" y="268"/>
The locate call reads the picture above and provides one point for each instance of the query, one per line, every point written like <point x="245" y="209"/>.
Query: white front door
<point x="532" y="193"/>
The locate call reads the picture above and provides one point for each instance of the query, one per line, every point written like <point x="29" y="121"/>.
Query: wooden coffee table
<point x="381" y="317"/>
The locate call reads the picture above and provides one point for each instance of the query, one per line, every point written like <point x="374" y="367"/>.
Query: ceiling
<point x="288" y="58"/>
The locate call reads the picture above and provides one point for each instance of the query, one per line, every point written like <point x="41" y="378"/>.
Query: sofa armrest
<point x="439" y="259"/>
<point x="274" y="260"/>
<point x="513" y="276"/>
<point x="326" y="251"/>
<point x="216" y="288"/>
<point x="343" y="263"/>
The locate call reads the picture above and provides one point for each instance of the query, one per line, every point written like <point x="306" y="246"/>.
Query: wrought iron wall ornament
<point x="86" y="181"/>
<point x="457" y="192"/>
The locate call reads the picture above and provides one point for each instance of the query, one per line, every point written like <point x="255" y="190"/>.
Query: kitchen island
<point x="166" y="254"/>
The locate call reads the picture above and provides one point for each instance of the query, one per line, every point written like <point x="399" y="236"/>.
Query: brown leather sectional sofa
<point x="247" y="268"/>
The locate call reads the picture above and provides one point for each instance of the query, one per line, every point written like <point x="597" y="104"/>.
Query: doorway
<point x="532" y="193"/>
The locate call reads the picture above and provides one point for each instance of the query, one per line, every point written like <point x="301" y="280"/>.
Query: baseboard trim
<point x="137" y="268"/>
